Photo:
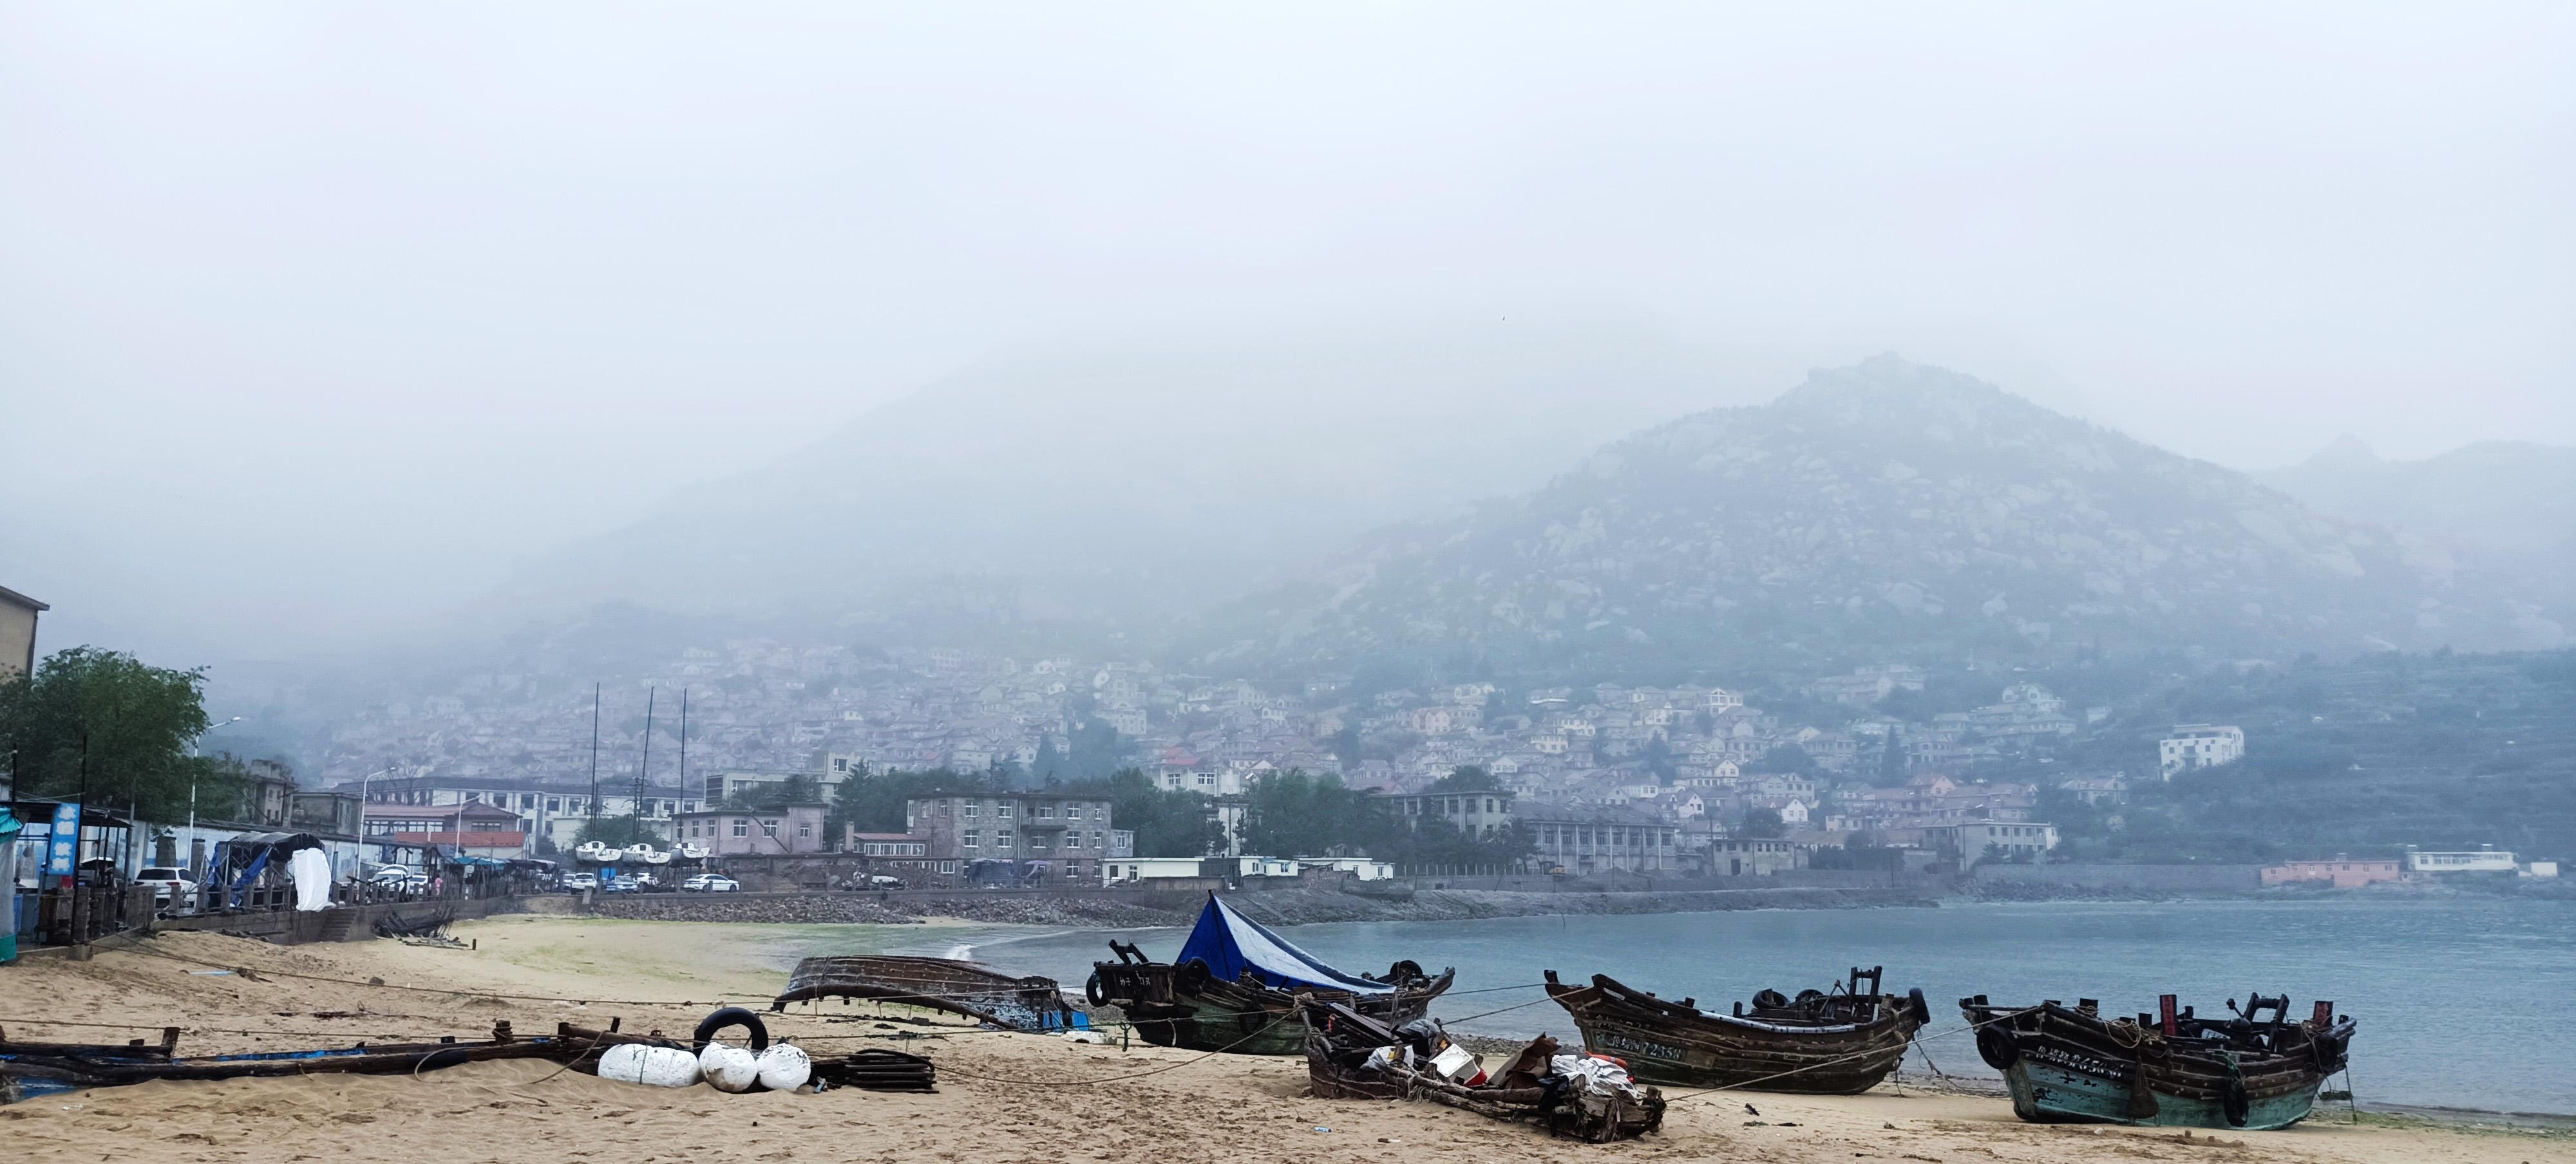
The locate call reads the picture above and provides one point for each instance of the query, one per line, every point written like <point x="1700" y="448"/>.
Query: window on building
<point x="969" y="811"/>
<point x="1002" y="809"/>
<point x="742" y="826"/>
<point x="1002" y="840"/>
<point x="1046" y="812"/>
<point x="967" y="840"/>
<point x="768" y="827"/>
<point x="554" y="804"/>
<point x="948" y="866"/>
<point x="804" y="829"/>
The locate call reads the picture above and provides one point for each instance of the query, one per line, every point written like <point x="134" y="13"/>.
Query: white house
<point x="2487" y="859"/>
<point x="2201" y="745"/>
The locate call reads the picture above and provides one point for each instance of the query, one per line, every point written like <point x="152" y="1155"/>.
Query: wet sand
<point x="1003" y="1098"/>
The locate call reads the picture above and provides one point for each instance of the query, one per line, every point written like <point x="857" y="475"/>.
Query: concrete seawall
<point x="1284" y="906"/>
<point x="2146" y="878"/>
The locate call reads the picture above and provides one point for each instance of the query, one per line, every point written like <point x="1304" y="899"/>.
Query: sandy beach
<point x="1004" y="1098"/>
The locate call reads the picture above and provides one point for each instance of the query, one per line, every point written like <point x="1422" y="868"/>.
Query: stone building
<point x="1050" y="837"/>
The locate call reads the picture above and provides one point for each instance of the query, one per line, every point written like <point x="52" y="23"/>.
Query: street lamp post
<point x="192" y="787"/>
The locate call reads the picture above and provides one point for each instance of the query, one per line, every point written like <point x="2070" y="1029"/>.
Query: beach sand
<point x="1003" y="1098"/>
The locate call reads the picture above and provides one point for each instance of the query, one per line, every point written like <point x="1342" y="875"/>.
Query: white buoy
<point x="728" y="1068"/>
<point x="785" y="1067"/>
<point x="650" y="1066"/>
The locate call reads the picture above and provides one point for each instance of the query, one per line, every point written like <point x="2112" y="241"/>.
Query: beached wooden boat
<point x="29" y="1069"/>
<point x="35" y="1068"/>
<point x="2168" y="1069"/>
<point x="1588" y="1100"/>
<point x="1819" y="1043"/>
<point x="976" y="991"/>
<point x="1234" y="985"/>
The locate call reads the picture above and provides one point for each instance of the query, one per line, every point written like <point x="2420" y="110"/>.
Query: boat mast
<point x="684" y="748"/>
<point x="635" y="799"/>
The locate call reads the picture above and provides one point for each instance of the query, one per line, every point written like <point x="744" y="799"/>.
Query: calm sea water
<point x="2462" y="1003"/>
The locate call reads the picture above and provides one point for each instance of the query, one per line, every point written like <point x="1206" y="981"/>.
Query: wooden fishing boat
<point x="1840" y="1042"/>
<point x="2168" y="1069"/>
<point x="1346" y="1059"/>
<point x="1234" y="985"/>
<point x="35" y="1068"/>
<point x="963" y="988"/>
<point x="29" y="1069"/>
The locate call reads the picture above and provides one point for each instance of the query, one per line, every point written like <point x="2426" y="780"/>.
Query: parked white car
<point x="711" y="883"/>
<point x="176" y="889"/>
<point x="576" y="882"/>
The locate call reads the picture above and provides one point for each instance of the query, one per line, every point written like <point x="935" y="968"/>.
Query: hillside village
<point x="1688" y="766"/>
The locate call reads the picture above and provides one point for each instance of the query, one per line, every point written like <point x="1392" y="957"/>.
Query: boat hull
<point x="1171" y="1007"/>
<point x="1031" y="1003"/>
<point x="1669" y="1043"/>
<point x="2076" y="1066"/>
<point x="1337" y="1040"/>
<point x="2045" y="1093"/>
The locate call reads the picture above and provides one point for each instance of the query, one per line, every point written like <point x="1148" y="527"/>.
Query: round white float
<point x="728" y="1068"/>
<point x="785" y="1067"/>
<point x="650" y="1066"/>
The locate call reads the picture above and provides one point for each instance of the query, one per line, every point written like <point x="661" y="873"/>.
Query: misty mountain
<point x="1887" y="511"/>
<point x="1084" y="491"/>
<point x="2501" y="507"/>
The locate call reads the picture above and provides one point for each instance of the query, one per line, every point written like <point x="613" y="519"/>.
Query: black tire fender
<point x="1916" y="1006"/>
<point x="731" y="1016"/>
<point x="2238" y="1106"/>
<point x="1195" y="975"/>
<point x="1092" y="990"/>
<point x="1995" y="1045"/>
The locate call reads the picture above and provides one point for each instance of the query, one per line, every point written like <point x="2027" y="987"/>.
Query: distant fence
<point x="2173" y="878"/>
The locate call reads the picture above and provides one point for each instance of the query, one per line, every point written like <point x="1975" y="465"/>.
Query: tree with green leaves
<point x="1167" y="822"/>
<point x="1466" y="778"/>
<point x="1293" y="814"/>
<point x="106" y="721"/>
<point x="1763" y="822"/>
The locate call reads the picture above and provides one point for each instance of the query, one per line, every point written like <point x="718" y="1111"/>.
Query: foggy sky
<point x="313" y="318"/>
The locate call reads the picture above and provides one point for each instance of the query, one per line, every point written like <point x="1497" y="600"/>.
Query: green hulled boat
<point x="2255" y="1070"/>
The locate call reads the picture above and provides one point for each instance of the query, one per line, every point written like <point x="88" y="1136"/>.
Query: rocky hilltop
<point x="1877" y="511"/>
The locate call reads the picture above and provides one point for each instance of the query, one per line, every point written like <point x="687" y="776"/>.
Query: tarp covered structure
<point x="1231" y="943"/>
<point x="240" y="860"/>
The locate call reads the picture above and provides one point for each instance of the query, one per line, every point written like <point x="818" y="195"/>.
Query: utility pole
<point x="684" y="744"/>
<point x="594" y="761"/>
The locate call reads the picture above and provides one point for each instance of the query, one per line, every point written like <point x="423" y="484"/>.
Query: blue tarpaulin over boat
<point x="1231" y="943"/>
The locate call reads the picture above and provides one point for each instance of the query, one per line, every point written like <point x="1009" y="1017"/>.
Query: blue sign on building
<point x="65" y="849"/>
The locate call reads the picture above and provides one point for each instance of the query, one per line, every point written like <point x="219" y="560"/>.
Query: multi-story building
<point x="1066" y="836"/>
<point x="1481" y="815"/>
<point x="553" y="810"/>
<point x="737" y="832"/>
<point x="18" y="632"/>
<point x="2200" y="745"/>
<point x="1989" y="840"/>
<point x="1580" y="840"/>
<point x="478" y="829"/>
<point x="1753" y="856"/>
